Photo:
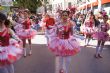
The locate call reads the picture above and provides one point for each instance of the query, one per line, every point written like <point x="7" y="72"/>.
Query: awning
<point x="94" y="3"/>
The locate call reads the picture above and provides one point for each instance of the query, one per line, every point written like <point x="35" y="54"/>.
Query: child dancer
<point x="26" y="33"/>
<point x="9" y="48"/>
<point x="89" y="28"/>
<point x="63" y="44"/>
<point x="101" y="36"/>
<point x="49" y="25"/>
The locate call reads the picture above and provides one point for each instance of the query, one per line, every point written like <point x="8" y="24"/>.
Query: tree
<point x="32" y="5"/>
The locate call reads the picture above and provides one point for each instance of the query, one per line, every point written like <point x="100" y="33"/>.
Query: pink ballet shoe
<point x="100" y="56"/>
<point x="30" y="52"/>
<point x="61" y="71"/>
<point x="25" y="55"/>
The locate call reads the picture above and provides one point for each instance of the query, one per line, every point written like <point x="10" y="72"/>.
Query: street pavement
<point x="43" y="61"/>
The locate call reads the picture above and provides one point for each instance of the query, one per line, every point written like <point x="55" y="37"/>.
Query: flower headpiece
<point x="103" y="13"/>
<point x="72" y="9"/>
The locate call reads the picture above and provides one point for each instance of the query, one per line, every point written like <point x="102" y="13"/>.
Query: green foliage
<point x="32" y="5"/>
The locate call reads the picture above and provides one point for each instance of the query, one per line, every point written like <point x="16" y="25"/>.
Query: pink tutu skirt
<point x="88" y="30"/>
<point x="101" y="36"/>
<point x="64" y="47"/>
<point x="18" y="44"/>
<point x="26" y="33"/>
<point x="50" y="32"/>
<point x="18" y="27"/>
<point x="10" y="54"/>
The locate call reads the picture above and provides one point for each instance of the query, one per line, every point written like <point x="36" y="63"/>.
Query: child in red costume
<point x="49" y="25"/>
<point x="63" y="44"/>
<point x="26" y="33"/>
<point x="10" y="50"/>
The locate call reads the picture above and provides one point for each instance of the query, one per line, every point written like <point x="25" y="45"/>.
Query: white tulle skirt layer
<point x="10" y="54"/>
<point x="64" y="47"/>
<point x="26" y="33"/>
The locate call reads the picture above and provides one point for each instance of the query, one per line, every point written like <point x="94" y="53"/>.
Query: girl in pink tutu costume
<point x="26" y="32"/>
<point x="101" y="35"/>
<point x="63" y="44"/>
<point x="10" y="50"/>
<point x="89" y="28"/>
<point x="49" y="26"/>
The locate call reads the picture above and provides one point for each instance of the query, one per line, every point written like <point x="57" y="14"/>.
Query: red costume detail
<point x="49" y="21"/>
<point x="64" y="34"/>
<point x="104" y="28"/>
<point x="27" y="24"/>
<point x="89" y="23"/>
<point x="4" y="38"/>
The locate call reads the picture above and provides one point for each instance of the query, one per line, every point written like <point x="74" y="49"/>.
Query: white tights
<point x="62" y="63"/>
<point x="7" y="69"/>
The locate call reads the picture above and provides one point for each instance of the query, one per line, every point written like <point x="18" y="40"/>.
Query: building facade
<point x="95" y="5"/>
<point x="61" y="4"/>
<point x="82" y="5"/>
